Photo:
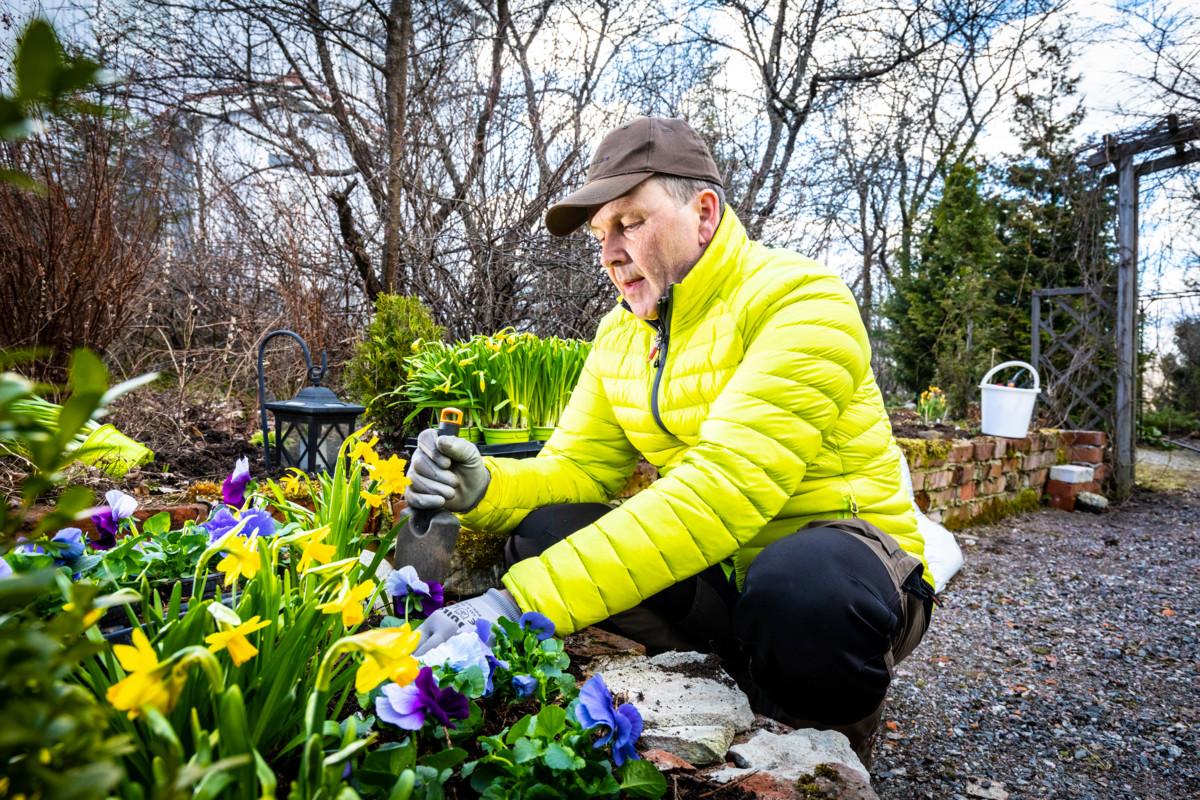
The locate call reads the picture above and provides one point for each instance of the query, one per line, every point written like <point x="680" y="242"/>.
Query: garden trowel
<point x="427" y="538"/>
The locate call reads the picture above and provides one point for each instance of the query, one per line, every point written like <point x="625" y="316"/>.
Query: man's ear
<point x="708" y="207"/>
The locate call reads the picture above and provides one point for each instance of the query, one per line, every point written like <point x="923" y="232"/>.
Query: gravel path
<point x="1065" y="663"/>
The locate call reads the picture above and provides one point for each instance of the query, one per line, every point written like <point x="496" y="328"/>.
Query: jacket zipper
<point x="658" y="353"/>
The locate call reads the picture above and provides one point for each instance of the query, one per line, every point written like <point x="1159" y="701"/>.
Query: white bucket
<point x="1007" y="410"/>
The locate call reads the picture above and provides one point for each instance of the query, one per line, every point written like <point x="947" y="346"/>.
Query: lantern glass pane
<point x="293" y="445"/>
<point x="329" y="443"/>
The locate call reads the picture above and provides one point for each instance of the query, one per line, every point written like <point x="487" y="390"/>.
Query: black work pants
<point x="813" y="636"/>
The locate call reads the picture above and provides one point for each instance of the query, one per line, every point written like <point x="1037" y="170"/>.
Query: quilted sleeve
<point x="807" y="354"/>
<point x="587" y="460"/>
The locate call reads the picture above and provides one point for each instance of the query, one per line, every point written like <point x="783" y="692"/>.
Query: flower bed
<point x="266" y="656"/>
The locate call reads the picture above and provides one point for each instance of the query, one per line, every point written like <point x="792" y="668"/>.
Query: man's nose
<point x="612" y="252"/>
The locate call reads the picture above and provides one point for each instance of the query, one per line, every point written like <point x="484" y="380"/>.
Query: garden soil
<point x="1065" y="663"/>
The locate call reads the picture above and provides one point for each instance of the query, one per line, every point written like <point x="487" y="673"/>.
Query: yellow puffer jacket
<point x="761" y="415"/>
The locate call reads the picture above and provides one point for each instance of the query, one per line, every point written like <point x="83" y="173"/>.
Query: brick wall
<point x="959" y="482"/>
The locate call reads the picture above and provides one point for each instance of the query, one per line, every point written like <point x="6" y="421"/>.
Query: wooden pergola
<point x="1122" y="153"/>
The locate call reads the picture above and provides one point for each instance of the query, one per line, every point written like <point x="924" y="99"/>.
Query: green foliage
<point x="376" y="374"/>
<point x="155" y="554"/>
<point x="56" y="741"/>
<point x="1181" y="373"/>
<point x="45" y="80"/>
<point x="943" y="326"/>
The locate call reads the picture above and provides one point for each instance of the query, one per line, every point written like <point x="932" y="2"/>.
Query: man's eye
<point x="633" y="226"/>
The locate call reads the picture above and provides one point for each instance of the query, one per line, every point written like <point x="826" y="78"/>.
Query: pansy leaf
<point x="641" y="779"/>
<point x="559" y="757"/>
<point x="550" y="721"/>
<point x="444" y="759"/>
<point x="526" y="750"/>
<point x="158" y="524"/>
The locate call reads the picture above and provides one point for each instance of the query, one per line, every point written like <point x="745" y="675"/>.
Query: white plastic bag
<point x="942" y="553"/>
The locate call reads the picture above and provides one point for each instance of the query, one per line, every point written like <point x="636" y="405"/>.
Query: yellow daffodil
<point x="90" y="618"/>
<point x="388" y="656"/>
<point x="314" y="550"/>
<point x="390" y="476"/>
<point x="242" y="559"/>
<point x="349" y="603"/>
<point x="365" y="451"/>
<point x="371" y="499"/>
<point x="147" y="685"/>
<point x="234" y="640"/>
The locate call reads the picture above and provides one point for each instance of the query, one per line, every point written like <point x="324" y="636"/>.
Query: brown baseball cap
<point x="628" y="155"/>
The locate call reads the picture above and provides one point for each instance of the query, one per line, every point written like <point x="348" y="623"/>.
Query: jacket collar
<point x="692" y="296"/>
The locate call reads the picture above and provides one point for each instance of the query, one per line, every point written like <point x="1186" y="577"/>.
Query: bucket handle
<point x="1037" y="383"/>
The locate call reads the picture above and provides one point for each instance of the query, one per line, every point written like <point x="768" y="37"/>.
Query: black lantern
<point x="309" y="428"/>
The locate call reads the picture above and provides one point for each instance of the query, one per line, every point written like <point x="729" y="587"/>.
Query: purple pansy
<point x="538" y="623"/>
<point x="258" y="523"/>
<point x="233" y="491"/>
<point x="524" y="685"/>
<point x="220" y="523"/>
<point x="405" y="582"/>
<point x="409" y="707"/>
<point x="624" y="723"/>
<point x="108" y="518"/>
<point x="461" y="652"/>
<point x="6" y="569"/>
<point x="72" y="549"/>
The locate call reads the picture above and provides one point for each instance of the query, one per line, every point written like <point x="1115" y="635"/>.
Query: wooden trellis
<point x="1121" y="152"/>
<point x="1078" y="324"/>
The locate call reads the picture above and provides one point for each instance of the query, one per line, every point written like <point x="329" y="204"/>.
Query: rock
<point x="790" y="755"/>
<point x="690" y="706"/>
<point x="592" y="643"/>
<point x="986" y="789"/>
<point x="667" y="762"/>
<point x="1091" y="502"/>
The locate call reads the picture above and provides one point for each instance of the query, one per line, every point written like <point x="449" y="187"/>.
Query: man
<point x="778" y="534"/>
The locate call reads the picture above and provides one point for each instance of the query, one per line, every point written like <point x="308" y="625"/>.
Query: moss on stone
<point x="996" y="509"/>
<point x="924" y="451"/>
<point x="480" y="549"/>
<point x="1060" y="455"/>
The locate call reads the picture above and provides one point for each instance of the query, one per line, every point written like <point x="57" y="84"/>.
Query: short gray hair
<point x="683" y="190"/>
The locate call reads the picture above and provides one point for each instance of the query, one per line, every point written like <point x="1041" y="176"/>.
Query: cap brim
<point x="567" y="215"/>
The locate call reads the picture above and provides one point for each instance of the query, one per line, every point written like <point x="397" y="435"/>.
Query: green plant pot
<point x="541" y="434"/>
<point x="505" y="435"/>
<point x="471" y="434"/>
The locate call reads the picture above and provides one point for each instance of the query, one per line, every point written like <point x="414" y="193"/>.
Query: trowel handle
<point x="449" y="424"/>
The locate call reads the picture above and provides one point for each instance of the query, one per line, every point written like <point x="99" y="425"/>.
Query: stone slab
<point x="790" y="755"/>
<point x="1072" y="473"/>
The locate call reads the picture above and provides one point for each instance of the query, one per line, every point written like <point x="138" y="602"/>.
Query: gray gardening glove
<point x="445" y="622"/>
<point x="446" y="472"/>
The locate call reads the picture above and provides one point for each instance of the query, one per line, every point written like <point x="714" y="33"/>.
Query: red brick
<point x="994" y="485"/>
<point x="994" y="470"/>
<point x="968" y="491"/>
<point x="941" y="498"/>
<point x="1010" y="464"/>
<point x="1037" y="478"/>
<point x="1087" y="454"/>
<point x="922" y="500"/>
<point x="939" y="479"/>
<point x="961" y="452"/>
<point x="984" y="449"/>
<point x="1017" y="445"/>
<point x="1101" y="472"/>
<point x="918" y="481"/>
<point x="1016" y="480"/>
<point x="1089" y="438"/>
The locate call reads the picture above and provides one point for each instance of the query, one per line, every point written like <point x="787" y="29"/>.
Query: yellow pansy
<point x="314" y="550"/>
<point x="349" y="603"/>
<point x="147" y="685"/>
<point x="242" y="559"/>
<point x="234" y="640"/>
<point x="388" y="656"/>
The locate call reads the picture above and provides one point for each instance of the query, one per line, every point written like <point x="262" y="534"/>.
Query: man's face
<point x="647" y="242"/>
